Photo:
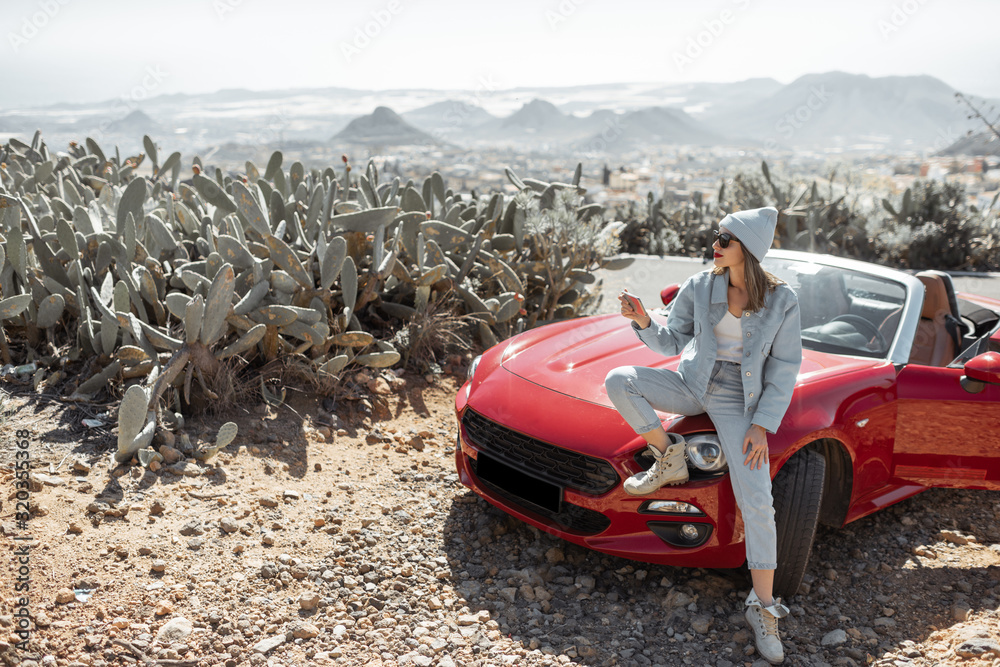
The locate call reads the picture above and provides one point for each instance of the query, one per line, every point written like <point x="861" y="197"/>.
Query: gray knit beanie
<point x="753" y="228"/>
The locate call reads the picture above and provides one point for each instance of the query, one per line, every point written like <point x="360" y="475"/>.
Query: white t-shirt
<point x="729" y="334"/>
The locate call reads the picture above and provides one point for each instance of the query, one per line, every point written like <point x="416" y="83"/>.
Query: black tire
<point x="798" y="495"/>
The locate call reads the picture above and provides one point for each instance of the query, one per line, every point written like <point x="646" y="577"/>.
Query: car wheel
<point x="798" y="494"/>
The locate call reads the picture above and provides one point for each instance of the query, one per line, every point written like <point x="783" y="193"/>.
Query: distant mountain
<point x="448" y="116"/>
<point x="651" y="126"/>
<point x="540" y="121"/>
<point x="136" y="123"/>
<point x="383" y="126"/>
<point x="840" y="109"/>
<point x="828" y="111"/>
<point x="707" y="96"/>
<point x="535" y="115"/>
<point x="980" y="143"/>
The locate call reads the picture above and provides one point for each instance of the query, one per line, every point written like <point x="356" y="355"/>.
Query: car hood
<point x="574" y="357"/>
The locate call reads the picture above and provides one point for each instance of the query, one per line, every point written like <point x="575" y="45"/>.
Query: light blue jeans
<point x="636" y="391"/>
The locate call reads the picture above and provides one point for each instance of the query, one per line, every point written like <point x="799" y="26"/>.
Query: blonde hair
<point x="759" y="282"/>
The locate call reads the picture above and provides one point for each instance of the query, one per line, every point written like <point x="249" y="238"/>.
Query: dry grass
<point x="437" y="331"/>
<point x="233" y="384"/>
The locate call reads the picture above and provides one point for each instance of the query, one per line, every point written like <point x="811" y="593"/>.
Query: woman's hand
<point x="628" y="311"/>
<point x="756" y="441"/>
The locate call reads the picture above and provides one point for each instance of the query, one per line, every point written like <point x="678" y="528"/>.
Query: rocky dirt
<point x="339" y="534"/>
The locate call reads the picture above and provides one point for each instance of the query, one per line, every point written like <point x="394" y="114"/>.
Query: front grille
<point x="559" y="466"/>
<point x="572" y="517"/>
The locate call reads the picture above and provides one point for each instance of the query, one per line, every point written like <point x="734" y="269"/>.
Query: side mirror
<point x="981" y="371"/>
<point x="668" y="293"/>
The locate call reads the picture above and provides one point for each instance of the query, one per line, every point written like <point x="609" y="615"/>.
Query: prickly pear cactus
<point x="157" y="282"/>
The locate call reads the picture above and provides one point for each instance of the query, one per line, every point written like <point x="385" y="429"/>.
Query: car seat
<point x="933" y="345"/>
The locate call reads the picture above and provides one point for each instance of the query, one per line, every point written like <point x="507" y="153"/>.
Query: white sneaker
<point x="668" y="468"/>
<point x="764" y="623"/>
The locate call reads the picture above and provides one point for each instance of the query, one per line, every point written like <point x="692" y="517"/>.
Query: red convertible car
<point x="899" y="391"/>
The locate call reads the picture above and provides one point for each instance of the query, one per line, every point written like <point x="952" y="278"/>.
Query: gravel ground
<point x="339" y="539"/>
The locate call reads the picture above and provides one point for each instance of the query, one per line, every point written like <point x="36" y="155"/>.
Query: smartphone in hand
<point x="634" y="302"/>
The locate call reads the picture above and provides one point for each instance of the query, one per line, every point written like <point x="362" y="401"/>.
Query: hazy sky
<point x="91" y="50"/>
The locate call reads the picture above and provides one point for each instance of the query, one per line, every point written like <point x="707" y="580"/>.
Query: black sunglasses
<point x="724" y="238"/>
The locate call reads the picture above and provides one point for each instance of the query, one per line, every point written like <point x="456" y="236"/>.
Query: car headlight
<point x="472" y="367"/>
<point x="704" y="451"/>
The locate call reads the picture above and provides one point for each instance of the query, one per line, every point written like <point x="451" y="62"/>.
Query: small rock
<point x="267" y="501"/>
<point x="291" y="494"/>
<point x="229" y="525"/>
<point x="884" y="624"/>
<point x="42" y="478"/>
<point x="309" y="600"/>
<point x="955" y="537"/>
<point x="834" y="638"/>
<point x="702" y="623"/>
<point x="157" y="508"/>
<point x="192" y="527"/>
<point x="74" y="528"/>
<point x="269" y="644"/>
<point x="961" y="612"/>
<point x="978" y="647"/>
<point x="304" y="630"/>
<point x="555" y="555"/>
<point x="159" y="565"/>
<point x="65" y="596"/>
<point x="379" y="386"/>
<point x="268" y="538"/>
<point x="164" y="607"/>
<point x="170" y="455"/>
<point x="185" y="469"/>
<point x="175" y="630"/>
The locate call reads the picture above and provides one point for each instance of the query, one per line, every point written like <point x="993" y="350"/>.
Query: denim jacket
<point x="772" y="343"/>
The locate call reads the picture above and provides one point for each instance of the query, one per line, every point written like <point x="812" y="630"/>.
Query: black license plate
<point x="530" y="489"/>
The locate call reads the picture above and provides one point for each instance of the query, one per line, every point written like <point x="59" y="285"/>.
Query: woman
<point x="736" y="328"/>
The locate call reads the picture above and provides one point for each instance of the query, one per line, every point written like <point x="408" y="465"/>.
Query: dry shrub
<point x="435" y="332"/>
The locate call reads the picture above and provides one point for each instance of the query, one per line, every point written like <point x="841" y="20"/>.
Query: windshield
<point x="843" y="311"/>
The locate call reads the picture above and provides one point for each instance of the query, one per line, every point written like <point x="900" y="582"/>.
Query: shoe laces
<point x="770" y="622"/>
